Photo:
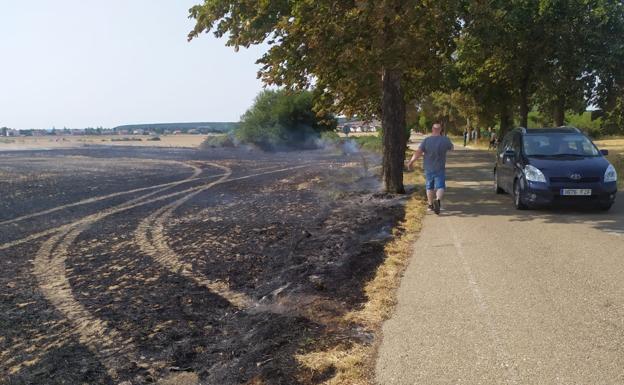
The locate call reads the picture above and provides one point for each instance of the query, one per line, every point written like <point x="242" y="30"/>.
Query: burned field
<point x="140" y="266"/>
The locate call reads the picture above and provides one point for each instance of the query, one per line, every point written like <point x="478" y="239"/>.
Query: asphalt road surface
<point x="498" y="296"/>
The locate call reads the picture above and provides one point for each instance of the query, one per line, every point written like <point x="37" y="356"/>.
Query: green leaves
<point x="339" y="46"/>
<point x="558" y="55"/>
<point x="282" y="118"/>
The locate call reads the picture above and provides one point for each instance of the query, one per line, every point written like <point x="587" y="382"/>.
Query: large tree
<point x="364" y="57"/>
<point x="571" y="60"/>
<point x="560" y="55"/>
<point x="500" y="56"/>
<point x="608" y="63"/>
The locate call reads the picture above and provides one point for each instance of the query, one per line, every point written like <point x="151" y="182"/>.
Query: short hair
<point x="436" y="124"/>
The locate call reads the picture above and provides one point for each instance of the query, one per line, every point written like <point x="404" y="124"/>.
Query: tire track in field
<point x="196" y="171"/>
<point x="151" y="238"/>
<point x="105" y="342"/>
<point x="50" y="271"/>
<point x="163" y="187"/>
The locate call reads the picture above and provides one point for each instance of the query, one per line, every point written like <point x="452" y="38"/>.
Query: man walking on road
<point x="434" y="149"/>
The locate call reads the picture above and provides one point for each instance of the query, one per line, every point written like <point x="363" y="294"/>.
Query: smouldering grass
<point x="352" y="362"/>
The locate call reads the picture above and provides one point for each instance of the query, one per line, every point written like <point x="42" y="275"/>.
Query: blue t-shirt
<point x="435" y="149"/>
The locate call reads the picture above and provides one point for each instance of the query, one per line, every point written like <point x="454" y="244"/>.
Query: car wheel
<point x="517" y="197"/>
<point x="606" y="206"/>
<point x="497" y="189"/>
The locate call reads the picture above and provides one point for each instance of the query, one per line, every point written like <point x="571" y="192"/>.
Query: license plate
<point x="576" y="192"/>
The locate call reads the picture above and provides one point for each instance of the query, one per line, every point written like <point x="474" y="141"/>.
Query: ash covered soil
<point x="137" y="265"/>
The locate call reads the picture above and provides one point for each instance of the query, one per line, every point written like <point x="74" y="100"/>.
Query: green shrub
<point x="585" y="123"/>
<point x="330" y="137"/>
<point x="283" y="119"/>
<point x="371" y="143"/>
<point x="213" y="141"/>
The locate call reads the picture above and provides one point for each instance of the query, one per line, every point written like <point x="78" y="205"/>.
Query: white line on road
<point x="503" y="355"/>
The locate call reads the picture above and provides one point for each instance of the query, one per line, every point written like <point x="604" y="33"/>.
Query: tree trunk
<point x="524" y="96"/>
<point x="394" y="133"/>
<point x="559" y="113"/>
<point x="505" y="121"/>
<point x="524" y="107"/>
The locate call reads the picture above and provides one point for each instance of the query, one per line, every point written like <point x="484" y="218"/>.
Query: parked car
<point x="549" y="166"/>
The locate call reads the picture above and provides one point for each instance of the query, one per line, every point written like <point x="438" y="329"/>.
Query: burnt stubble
<point x="131" y="265"/>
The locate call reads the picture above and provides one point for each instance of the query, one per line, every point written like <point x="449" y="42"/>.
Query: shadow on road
<point x="470" y="194"/>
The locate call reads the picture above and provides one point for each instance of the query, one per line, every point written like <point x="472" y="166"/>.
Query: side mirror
<point x="508" y="156"/>
<point x="604" y="152"/>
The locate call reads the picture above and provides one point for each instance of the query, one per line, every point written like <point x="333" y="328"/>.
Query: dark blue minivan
<point x="550" y="166"/>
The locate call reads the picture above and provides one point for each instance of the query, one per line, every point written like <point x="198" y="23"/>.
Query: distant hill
<point x="196" y="127"/>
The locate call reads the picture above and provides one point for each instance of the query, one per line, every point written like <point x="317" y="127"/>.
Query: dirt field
<point x="178" y="266"/>
<point x="57" y="142"/>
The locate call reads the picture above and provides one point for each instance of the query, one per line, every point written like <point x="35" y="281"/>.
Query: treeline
<point x="457" y="113"/>
<point x="543" y="59"/>
<point x="495" y="61"/>
<point x="197" y="127"/>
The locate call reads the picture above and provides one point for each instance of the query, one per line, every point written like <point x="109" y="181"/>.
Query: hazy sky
<point x="80" y="63"/>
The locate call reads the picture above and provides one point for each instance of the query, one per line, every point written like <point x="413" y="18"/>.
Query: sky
<point x="89" y="63"/>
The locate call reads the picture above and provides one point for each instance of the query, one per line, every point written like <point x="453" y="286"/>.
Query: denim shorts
<point x="435" y="180"/>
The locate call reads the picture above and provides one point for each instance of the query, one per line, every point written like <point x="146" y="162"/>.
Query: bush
<point x="330" y="137"/>
<point x="213" y="141"/>
<point x="585" y="123"/>
<point x="125" y="139"/>
<point x="283" y="119"/>
<point x="372" y="143"/>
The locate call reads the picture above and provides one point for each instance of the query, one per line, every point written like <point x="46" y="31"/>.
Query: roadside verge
<point x="351" y="362"/>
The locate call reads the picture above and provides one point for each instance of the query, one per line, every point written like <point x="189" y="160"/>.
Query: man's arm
<point x="417" y="154"/>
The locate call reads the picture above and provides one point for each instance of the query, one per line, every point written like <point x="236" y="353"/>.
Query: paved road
<point x="497" y="296"/>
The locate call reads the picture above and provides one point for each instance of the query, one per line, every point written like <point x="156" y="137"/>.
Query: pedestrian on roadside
<point x="493" y="140"/>
<point x="433" y="149"/>
<point x="465" y="136"/>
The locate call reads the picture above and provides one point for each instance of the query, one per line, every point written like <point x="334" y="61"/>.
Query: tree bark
<point x="394" y="131"/>
<point x="505" y="121"/>
<point x="524" y="107"/>
<point x="524" y="96"/>
<point x="559" y="113"/>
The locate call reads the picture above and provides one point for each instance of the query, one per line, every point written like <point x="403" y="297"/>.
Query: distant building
<point x="360" y="125"/>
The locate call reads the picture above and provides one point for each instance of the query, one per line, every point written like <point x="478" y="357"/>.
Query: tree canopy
<point x="363" y="57"/>
<point x="555" y="55"/>
<point x="496" y="58"/>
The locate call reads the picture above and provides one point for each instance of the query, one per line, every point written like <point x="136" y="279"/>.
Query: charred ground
<point x="221" y="263"/>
